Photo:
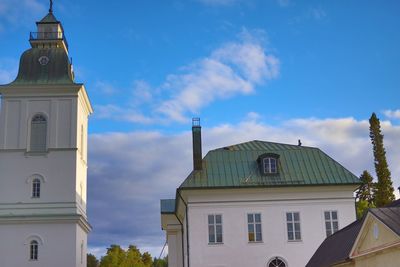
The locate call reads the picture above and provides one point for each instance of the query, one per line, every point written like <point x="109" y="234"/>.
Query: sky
<point x="272" y="70"/>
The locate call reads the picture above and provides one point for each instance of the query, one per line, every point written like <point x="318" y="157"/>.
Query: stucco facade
<point x="43" y="219"/>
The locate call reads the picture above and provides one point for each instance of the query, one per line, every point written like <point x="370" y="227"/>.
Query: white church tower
<point x="43" y="157"/>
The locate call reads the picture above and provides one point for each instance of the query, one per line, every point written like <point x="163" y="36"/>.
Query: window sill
<point x="36" y="153"/>
<point x="255" y="242"/>
<point x="215" y="244"/>
<point x="295" y="241"/>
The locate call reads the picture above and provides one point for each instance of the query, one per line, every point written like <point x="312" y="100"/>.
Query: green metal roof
<point x="58" y="70"/>
<point x="236" y="166"/>
<point x="167" y="205"/>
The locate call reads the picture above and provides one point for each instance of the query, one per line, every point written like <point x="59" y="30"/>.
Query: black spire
<point x="51" y="6"/>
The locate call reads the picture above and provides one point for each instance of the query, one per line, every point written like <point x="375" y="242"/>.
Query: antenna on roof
<point x="299" y="142"/>
<point x="51" y="6"/>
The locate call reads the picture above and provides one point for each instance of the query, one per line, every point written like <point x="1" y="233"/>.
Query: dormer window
<point x="268" y="163"/>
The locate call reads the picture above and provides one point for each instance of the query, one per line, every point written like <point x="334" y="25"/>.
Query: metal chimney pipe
<point x="196" y="137"/>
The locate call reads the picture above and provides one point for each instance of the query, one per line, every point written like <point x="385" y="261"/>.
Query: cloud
<point x="8" y="70"/>
<point x="392" y="114"/>
<point x="19" y="13"/>
<point x="218" y="2"/>
<point x="234" y="68"/>
<point x="130" y="172"/>
<point x="317" y="13"/>
<point x="284" y="3"/>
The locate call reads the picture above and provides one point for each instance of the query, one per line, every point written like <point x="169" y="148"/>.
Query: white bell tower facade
<point x="43" y="157"/>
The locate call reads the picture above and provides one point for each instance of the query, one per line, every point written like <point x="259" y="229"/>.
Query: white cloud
<point x="16" y="13"/>
<point x="130" y="172"/>
<point x="318" y="13"/>
<point x="392" y="114"/>
<point x="106" y="88"/>
<point x="284" y="3"/>
<point x="234" y="68"/>
<point x="8" y="70"/>
<point x="218" y="2"/>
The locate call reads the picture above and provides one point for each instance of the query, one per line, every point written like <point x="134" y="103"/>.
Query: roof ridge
<point x="265" y="142"/>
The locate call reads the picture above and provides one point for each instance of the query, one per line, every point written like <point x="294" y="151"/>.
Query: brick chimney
<point x="196" y="135"/>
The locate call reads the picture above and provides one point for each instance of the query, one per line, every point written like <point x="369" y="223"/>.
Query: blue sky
<point x="277" y="70"/>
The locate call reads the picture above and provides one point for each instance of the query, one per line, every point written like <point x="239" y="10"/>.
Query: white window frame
<point x="36" y="187"/>
<point x="293" y="223"/>
<point x="34" y="250"/>
<point x="254" y="226"/>
<point x="331" y="222"/>
<point x="268" y="164"/>
<point x="214" y="224"/>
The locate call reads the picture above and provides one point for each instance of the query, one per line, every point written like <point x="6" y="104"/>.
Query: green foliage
<point x="384" y="188"/>
<point x="118" y="257"/>
<point x="365" y="194"/>
<point x="367" y="188"/>
<point x="92" y="261"/>
<point x="160" y="262"/>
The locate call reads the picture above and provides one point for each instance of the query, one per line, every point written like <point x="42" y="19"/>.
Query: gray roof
<point x="167" y="206"/>
<point x="337" y="247"/>
<point x="49" y="18"/>
<point x="390" y="216"/>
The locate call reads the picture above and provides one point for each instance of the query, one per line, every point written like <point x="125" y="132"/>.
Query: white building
<point x="256" y="204"/>
<point x="43" y="157"/>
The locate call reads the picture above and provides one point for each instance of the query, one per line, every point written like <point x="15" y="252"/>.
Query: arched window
<point x="38" y="133"/>
<point x="33" y="250"/>
<point x="36" y="188"/>
<point x="276" y="262"/>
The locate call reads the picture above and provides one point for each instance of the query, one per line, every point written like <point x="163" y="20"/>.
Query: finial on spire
<point x="51" y="6"/>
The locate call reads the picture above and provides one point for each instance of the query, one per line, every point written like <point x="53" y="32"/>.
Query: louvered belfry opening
<point x="38" y="133"/>
<point x="196" y="136"/>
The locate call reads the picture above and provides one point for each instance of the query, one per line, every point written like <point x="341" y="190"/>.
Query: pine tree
<point x="384" y="188"/>
<point x="365" y="194"/>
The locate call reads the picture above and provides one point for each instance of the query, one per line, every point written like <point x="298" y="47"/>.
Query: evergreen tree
<point x="160" y="262"/>
<point x="365" y="194"/>
<point x="114" y="258"/>
<point x="367" y="188"/>
<point x="384" y="188"/>
<point x="92" y="261"/>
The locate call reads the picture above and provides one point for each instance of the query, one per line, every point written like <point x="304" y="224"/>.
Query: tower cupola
<point x="49" y="34"/>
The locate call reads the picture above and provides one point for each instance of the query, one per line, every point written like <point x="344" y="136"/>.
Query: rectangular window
<point x="293" y="226"/>
<point x="254" y="227"/>
<point x="269" y="165"/>
<point x="331" y="222"/>
<point x="214" y="228"/>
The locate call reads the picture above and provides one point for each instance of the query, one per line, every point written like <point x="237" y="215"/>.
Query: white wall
<point x="58" y="248"/>
<point x="234" y="205"/>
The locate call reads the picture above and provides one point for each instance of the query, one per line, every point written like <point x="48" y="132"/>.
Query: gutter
<point x="187" y="232"/>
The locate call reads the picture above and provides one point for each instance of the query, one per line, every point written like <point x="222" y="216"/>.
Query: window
<point x="254" y="227"/>
<point x="331" y="222"/>
<point x="293" y="226"/>
<point x="215" y="229"/>
<point x="36" y="188"/>
<point x="34" y="250"/>
<point x="38" y="133"/>
<point x="276" y="262"/>
<point x="269" y="165"/>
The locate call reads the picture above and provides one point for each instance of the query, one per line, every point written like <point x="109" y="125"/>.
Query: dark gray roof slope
<point x="336" y="248"/>
<point x="389" y="216"/>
